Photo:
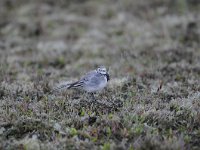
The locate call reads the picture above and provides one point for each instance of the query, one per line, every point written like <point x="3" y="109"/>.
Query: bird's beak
<point x="107" y="76"/>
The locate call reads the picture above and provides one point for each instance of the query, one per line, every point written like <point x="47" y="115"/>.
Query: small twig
<point x="160" y="86"/>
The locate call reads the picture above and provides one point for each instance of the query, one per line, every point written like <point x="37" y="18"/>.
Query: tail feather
<point x="61" y="87"/>
<point x="76" y="84"/>
<point x="67" y="86"/>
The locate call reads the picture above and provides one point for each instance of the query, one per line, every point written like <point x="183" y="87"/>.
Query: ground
<point x="152" y="51"/>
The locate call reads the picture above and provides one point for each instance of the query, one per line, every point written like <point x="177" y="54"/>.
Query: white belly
<point x="96" y="88"/>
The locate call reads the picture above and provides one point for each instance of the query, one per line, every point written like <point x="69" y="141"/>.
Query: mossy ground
<point x="152" y="51"/>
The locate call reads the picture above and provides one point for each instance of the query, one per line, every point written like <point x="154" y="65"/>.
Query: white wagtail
<point x="93" y="81"/>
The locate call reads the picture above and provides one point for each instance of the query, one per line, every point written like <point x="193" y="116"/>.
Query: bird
<point x="91" y="82"/>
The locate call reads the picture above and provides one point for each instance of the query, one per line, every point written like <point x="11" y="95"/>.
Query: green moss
<point x="106" y="146"/>
<point x="73" y="132"/>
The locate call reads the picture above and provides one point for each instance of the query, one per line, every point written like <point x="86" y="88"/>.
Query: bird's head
<point x="102" y="70"/>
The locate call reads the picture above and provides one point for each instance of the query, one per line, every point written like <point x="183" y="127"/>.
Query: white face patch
<point x="102" y="70"/>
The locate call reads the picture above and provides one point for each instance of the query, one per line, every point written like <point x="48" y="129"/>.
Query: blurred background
<point x="69" y="37"/>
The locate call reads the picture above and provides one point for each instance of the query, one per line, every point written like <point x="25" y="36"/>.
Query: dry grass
<point x="152" y="51"/>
